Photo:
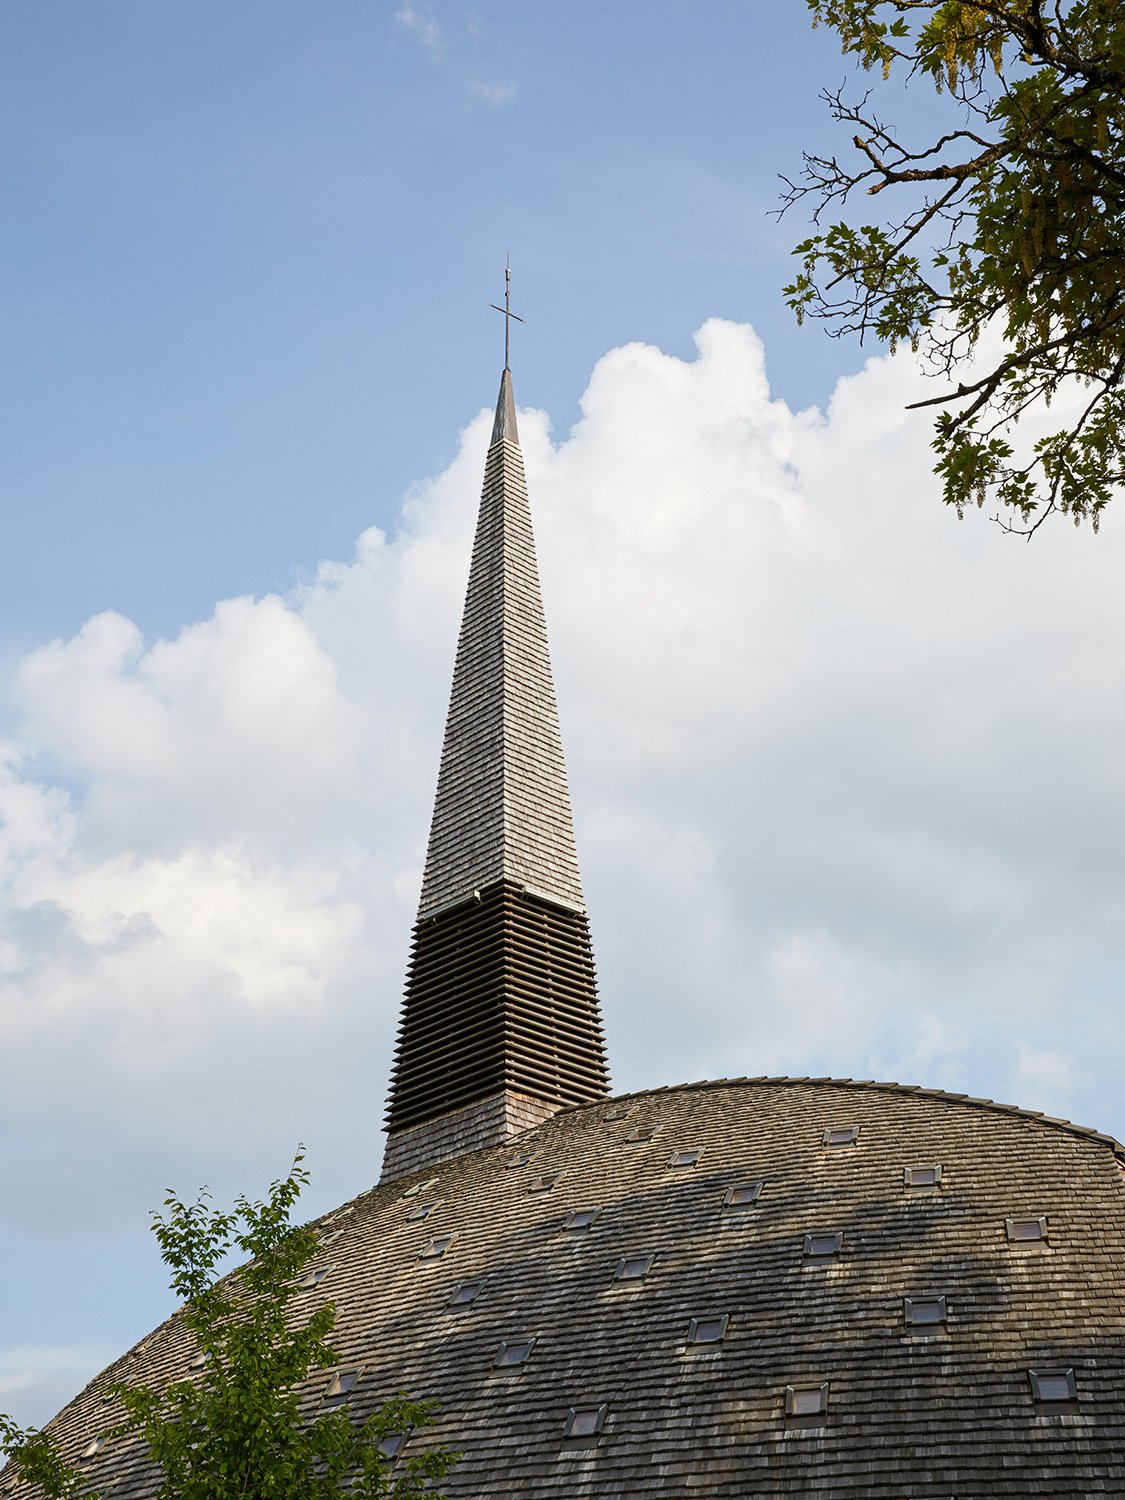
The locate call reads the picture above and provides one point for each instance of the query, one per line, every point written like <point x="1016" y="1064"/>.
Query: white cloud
<point x="1047" y="1074"/>
<point x="37" y="1378"/>
<point x="493" y="93"/>
<point x="421" y="24"/>
<point x="846" y="774"/>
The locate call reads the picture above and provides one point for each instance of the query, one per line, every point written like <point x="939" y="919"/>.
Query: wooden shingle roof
<point x="937" y="1409"/>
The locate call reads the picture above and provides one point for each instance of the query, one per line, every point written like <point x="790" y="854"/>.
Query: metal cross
<point x="507" y="308"/>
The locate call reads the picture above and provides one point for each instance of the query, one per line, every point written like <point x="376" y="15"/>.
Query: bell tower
<point x="500" y="1026"/>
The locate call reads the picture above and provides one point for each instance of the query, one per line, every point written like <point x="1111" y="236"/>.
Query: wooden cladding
<point x="501" y="994"/>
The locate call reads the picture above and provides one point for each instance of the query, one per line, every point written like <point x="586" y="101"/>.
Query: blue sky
<point x="845" y="771"/>
<point x="251" y="249"/>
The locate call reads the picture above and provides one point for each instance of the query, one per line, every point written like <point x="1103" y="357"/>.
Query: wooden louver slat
<point x="501" y="993"/>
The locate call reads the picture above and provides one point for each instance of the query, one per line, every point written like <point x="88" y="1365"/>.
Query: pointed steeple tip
<point x="504" y="428"/>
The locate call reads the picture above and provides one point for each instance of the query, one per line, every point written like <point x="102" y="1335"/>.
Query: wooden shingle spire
<point x="500" y="1026"/>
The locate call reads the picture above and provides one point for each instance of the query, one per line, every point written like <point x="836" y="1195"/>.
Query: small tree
<point x="1013" y="217"/>
<point x="234" y="1431"/>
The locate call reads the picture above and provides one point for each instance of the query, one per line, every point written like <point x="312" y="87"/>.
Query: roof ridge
<point x="882" y="1085"/>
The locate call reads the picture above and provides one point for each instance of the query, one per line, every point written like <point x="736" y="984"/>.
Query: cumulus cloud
<point x="1049" y="1072"/>
<point x="846" y="775"/>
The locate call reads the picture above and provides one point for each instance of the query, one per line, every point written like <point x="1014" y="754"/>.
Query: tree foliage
<point x="1013" y="218"/>
<point x="233" y="1429"/>
<point x="39" y="1462"/>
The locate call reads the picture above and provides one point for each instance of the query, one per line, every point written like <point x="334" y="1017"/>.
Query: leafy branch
<point x="1013" y="220"/>
<point x="232" y="1428"/>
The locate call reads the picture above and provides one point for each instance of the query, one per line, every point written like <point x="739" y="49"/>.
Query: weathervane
<point x="507" y="308"/>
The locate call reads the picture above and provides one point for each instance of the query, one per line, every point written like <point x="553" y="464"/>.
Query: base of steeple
<point x="489" y="1122"/>
<point x="501" y="1002"/>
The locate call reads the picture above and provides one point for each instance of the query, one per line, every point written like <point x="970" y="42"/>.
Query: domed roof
<point x="768" y="1287"/>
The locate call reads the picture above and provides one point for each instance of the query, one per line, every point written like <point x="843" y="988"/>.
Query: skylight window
<point x="422" y="1210"/>
<point x="921" y="1177"/>
<point x="313" y="1278"/>
<point x="634" y="1267"/>
<point x="1053" y="1385"/>
<point x="708" y="1330"/>
<point x="545" y="1182"/>
<point x="341" y="1383"/>
<point x="330" y="1239"/>
<point x="436" y="1248"/>
<point x="581" y="1218"/>
<point x="393" y="1444"/>
<point x="467" y="1292"/>
<point x="200" y="1360"/>
<point x="840" y="1135"/>
<point x="622" y="1112"/>
<point x="520" y="1159"/>
<point x="95" y="1445"/>
<point x="1026" y="1231"/>
<point x="824" y="1242"/>
<point x="642" y="1133"/>
<point x="923" y="1312"/>
<point x="742" y="1195"/>
<point x="513" y="1354"/>
<point x="584" y="1421"/>
<point x="806" y="1400"/>
<point x="684" y="1158"/>
<point x="420" y="1187"/>
<point x="346" y="1212"/>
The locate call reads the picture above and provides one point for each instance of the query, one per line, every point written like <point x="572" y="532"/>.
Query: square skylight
<point x="921" y="1176"/>
<point x="642" y="1133"/>
<point x="806" y="1400"/>
<point x="584" y="1421"/>
<point x="313" y="1278"/>
<point x="1053" y="1384"/>
<point x="392" y="1445"/>
<point x="466" y="1292"/>
<point x="742" y="1194"/>
<point x="1026" y="1230"/>
<point x="921" y="1312"/>
<point x="333" y="1236"/>
<point x="515" y="1353"/>
<point x="434" y="1249"/>
<point x="684" y="1158"/>
<point x="420" y="1187"/>
<point x="634" y="1267"/>
<point x="95" y="1445"/>
<point x="520" y="1159"/>
<point x="341" y="1383"/>
<point x="620" y="1112"/>
<point x="824" y="1242"/>
<point x="346" y="1212"/>
<point x="708" y="1330"/>
<point x="581" y="1218"/>
<point x="422" y="1210"/>
<point x="545" y="1182"/>
<point x="840" y="1135"/>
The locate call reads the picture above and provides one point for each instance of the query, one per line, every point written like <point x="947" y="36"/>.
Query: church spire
<point x="500" y="1027"/>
